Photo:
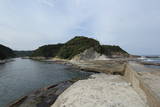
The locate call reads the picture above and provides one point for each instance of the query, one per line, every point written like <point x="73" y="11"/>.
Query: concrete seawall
<point x="144" y="82"/>
<point x="105" y="89"/>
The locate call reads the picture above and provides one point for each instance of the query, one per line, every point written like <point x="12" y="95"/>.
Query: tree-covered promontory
<point x="111" y="50"/>
<point x="77" y="45"/>
<point x="6" y="52"/>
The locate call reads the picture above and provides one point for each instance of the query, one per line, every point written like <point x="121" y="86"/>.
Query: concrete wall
<point x="133" y="76"/>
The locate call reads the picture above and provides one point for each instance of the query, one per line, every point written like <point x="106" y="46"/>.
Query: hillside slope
<point x="78" y="45"/>
<point x="113" y="51"/>
<point x="23" y="53"/>
<point x="47" y="50"/>
<point x="6" y="52"/>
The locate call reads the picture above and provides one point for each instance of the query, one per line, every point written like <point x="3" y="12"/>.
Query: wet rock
<point x="43" y="97"/>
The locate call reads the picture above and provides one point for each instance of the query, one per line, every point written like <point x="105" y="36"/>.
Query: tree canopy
<point x="75" y="46"/>
<point x="6" y="52"/>
<point x="47" y="50"/>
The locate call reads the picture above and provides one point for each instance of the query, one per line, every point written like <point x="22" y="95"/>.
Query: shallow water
<point x="153" y="66"/>
<point x="23" y="76"/>
<point x="152" y="59"/>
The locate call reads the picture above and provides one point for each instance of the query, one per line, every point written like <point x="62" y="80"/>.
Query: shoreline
<point x="6" y="61"/>
<point x="116" y="67"/>
<point x="72" y="64"/>
<point x="38" y="93"/>
<point x="47" y="95"/>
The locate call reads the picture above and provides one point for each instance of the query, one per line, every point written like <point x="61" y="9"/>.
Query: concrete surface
<point x="100" y="90"/>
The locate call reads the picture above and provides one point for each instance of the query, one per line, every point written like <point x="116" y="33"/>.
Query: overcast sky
<point x="132" y="24"/>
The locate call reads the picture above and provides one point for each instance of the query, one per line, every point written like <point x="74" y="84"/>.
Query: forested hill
<point x="23" y="53"/>
<point x="47" y="50"/>
<point x="77" y="45"/>
<point x="6" y="52"/>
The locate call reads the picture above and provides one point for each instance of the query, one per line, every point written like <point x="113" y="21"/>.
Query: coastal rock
<point x="100" y="90"/>
<point x="103" y="66"/>
<point x="89" y="54"/>
<point x="43" y="97"/>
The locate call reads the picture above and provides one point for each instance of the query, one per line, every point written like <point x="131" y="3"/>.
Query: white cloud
<point x="53" y="21"/>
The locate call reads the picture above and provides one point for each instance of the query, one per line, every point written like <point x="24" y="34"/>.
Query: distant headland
<point x="67" y="50"/>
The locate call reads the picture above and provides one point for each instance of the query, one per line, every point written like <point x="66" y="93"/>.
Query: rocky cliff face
<point x="89" y="54"/>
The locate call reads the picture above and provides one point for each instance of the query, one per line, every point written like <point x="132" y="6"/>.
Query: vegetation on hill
<point x="23" y="53"/>
<point x="47" y="50"/>
<point x="6" y="52"/>
<point x="75" y="46"/>
<point x="110" y="50"/>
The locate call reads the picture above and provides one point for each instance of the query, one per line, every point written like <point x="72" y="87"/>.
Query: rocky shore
<point x="47" y="96"/>
<point x="44" y="97"/>
<point x="114" y="83"/>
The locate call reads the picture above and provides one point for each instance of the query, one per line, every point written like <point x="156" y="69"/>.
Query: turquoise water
<point x="23" y="76"/>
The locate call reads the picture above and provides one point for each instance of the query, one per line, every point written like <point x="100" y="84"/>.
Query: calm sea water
<point x="23" y="76"/>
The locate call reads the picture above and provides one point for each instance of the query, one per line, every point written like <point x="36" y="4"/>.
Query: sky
<point x="134" y="25"/>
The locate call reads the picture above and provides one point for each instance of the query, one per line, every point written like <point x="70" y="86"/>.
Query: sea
<point x="155" y="59"/>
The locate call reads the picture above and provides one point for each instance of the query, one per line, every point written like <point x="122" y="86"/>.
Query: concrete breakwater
<point x="145" y="81"/>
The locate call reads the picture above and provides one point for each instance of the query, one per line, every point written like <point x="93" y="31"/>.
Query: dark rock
<point x="43" y="97"/>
